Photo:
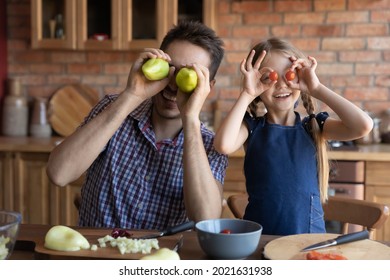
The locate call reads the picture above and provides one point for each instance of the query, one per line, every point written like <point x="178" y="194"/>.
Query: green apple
<point x="155" y="69"/>
<point x="162" y="254"/>
<point x="63" y="238"/>
<point x="186" y="79"/>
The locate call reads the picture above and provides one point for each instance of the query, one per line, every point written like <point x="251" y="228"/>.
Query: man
<point x="150" y="162"/>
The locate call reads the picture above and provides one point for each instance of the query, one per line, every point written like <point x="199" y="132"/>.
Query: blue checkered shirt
<point x="136" y="182"/>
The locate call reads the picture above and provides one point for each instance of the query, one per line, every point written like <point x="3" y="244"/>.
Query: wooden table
<point x="30" y="234"/>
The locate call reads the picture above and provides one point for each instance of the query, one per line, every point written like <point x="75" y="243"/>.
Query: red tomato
<point x="226" y="231"/>
<point x="290" y="75"/>
<point x="273" y="76"/>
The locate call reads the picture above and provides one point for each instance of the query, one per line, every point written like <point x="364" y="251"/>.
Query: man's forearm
<point x="202" y="193"/>
<point x="76" y="153"/>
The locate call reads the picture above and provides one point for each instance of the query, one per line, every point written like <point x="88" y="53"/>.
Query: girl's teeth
<point x="282" y="95"/>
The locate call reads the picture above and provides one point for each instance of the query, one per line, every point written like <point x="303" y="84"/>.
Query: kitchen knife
<point x="169" y="231"/>
<point x="346" y="238"/>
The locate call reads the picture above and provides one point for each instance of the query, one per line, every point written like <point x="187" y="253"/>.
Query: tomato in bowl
<point x="228" y="238"/>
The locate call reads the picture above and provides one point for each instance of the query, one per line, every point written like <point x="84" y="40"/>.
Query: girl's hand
<point x="253" y="84"/>
<point x="307" y="81"/>
<point x="137" y="84"/>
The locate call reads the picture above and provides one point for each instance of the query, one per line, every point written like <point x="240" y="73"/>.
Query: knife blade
<point x="346" y="238"/>
<point x="169" y="231"/>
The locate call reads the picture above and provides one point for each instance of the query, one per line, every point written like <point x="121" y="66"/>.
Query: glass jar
<point x="40" y="126"/>
<point x="376" y="134"/>
<point x="385" y="127"/>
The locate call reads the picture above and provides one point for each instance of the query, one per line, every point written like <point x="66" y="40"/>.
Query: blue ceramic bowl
<point x="241" y="242"/>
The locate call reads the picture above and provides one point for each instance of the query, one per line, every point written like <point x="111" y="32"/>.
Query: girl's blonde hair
<point x="278" y="45"/>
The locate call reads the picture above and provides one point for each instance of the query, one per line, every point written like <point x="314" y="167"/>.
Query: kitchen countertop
<point x="28" y="144"/>
<point x="32" y="234"/>
<point x="376" y="152"/>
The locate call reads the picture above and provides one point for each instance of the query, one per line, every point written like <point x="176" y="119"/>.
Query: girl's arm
<point x="353" y="123"/>
<point x="233" y="132"/>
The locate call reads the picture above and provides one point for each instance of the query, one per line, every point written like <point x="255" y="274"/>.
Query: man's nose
<point x="172" y="83"/>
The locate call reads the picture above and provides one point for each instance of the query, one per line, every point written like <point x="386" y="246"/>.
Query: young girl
<point x="286" y="165"/>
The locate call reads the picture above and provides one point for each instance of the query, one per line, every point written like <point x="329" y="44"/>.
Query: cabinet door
<point x="380" y="194"/>
<point x="99" y="25"/>
<point x="198" y="10"/>
<point x="32" y="192"/>
<point x="44" y="17"/>
<point x="378" y="190"/>
<point x="147" y="21"/>
<point x="6" y="181"/>
<point x="234" y="182"/>
<point x="68" y="212"/>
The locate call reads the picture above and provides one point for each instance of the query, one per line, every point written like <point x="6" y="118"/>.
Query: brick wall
<point x="349" y="38"/>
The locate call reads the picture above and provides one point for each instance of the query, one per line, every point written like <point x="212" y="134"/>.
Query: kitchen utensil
<point x="179" y="244"/>
<point x="346" y="238"/>
<point x="228" y="238"/>
<point x="169" y="231"/>
<point x="289" y="248"/>
<point x="69" y="106"/>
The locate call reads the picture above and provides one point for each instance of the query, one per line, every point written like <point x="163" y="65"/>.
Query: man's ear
<point x="212" y="83"/>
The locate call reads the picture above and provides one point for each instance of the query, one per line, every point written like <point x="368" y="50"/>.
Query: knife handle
<point x="352" y="237"/>
<point x="179" y="228"/>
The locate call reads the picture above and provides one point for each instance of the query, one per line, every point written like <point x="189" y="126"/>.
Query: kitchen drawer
<point x="378" y="173"/>
<point x="343" y="171"/>
<point x="235" y="178"/>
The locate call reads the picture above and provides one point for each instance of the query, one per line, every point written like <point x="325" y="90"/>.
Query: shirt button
<point x="140" y="205"/>
<point x="147" y="178"/>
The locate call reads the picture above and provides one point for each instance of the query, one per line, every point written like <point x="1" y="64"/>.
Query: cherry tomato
<point x="226" y="231"/>
<point x="290" y="75"/>
<point x="273" y="76"/>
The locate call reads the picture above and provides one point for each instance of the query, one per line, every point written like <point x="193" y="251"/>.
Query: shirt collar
<point x="143" y="112"/>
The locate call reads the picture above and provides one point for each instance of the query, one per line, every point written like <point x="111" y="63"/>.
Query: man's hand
<point x="138" y="84"/>
<point x="190" y="104"/>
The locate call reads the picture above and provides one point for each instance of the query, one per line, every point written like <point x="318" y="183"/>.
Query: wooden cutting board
<point x="69" y="106"/>
<point x="288" y="248"/>
<point x="109" y="252"/>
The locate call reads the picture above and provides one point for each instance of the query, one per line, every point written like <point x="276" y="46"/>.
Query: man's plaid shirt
<point x="136" y="182"/>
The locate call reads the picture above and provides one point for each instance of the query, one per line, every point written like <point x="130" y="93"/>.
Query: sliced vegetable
<point x="117" y="232"/>
<point x="314" y="255"/>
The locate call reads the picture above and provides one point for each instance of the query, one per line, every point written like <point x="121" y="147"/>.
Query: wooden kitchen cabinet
<point x="124" y="24"/>
<point x="43" y="14"/>
<point x="234" y="182"/>
<point x="378" y="190"/>
<point x="31" y="188"/>
<point x="68" y="213"/>
<point x="25" y="187"/>
<point x="5" y="180"/>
